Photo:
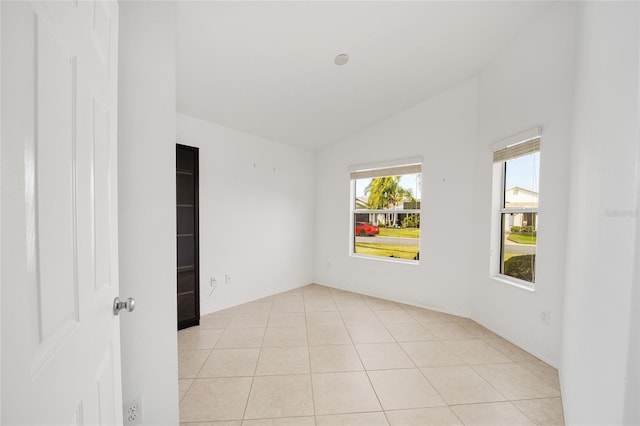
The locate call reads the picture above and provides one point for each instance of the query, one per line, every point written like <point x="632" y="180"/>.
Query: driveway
<point x="395" y="241"/>
<point x="515" y="248"/>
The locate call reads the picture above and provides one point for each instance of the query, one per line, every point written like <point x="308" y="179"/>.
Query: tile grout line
<point x="366" y="372"/>
<point x="360" y="358"/>
<point x="415" y="367"/>
<point x="419" y="369"/>
<point x="313" y="399"/>
<point x="494" y="402"/>
<point x="196" y="374"/>
<point x="255" y="370"/>
<point x="543" y="378"/>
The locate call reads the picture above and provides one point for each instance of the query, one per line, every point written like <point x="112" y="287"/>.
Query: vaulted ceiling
<point x="267" y="68"/>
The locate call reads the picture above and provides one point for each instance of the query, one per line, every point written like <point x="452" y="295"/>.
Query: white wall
<point x="602" y="249"/>
<point x="256" y="214"/>
<point x="442" y="130"/>
<point x="529" y="84"/>
<point x="147" y="218"/>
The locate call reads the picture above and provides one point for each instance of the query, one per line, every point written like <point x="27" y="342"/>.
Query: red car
<point x="364" y="229"/>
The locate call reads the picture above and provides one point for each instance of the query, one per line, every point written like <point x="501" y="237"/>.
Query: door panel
<point x="102" y="200"/>
<point x="51" y="155"/>
<point x="60" y="340"/>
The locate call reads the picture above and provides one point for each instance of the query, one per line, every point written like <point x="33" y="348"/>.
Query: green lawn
<point x="386" y="250"/>
<point x="522" y="238"/>
<point x="400" y="232"/>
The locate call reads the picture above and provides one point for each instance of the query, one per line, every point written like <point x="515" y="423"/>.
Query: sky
<point x="406" y="181"/>
<point x="524" y="172"/>
<point x="521" y="171"/>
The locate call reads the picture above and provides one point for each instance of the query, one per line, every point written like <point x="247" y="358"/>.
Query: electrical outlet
<point x="132" y="412"/>
<point x="545" y="317"/>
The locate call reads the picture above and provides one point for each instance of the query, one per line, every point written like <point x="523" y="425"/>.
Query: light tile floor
<point x="321" y="356"/>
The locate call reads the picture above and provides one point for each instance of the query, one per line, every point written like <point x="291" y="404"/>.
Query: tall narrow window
<point x="385" y="211"/>
<point x="519" y="165"/>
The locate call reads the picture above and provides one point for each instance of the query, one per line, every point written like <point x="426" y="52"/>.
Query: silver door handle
<point x="129" y="305"/>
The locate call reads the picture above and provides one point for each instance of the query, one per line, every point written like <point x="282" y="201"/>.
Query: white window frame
<point x="498" y="207"/>
<point x="363" y="170"/>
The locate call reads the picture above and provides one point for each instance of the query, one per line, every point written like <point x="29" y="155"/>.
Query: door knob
<point x="118" y="305"/>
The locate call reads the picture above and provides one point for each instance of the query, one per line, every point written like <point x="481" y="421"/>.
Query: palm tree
<point x="386" y="193"/>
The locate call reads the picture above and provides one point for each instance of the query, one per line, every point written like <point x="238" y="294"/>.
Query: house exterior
<point x="518" y="197"/>
<point x="382" y="218"/>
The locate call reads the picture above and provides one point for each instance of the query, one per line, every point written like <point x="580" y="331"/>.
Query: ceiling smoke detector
<point x="342" y="59"/>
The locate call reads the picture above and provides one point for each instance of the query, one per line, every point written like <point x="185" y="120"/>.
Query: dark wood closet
<point x="187" y="236"/>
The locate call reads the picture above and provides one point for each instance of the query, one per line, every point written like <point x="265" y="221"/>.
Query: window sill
<point x="385" y="259"/>
<point x="505" y="279"/>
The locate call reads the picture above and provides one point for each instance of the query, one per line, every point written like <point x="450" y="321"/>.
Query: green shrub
<point x="411" y="221"/>
<point x="521" y="267"/>
<point x="528" y="229"/>
<point x="515" y="229"/>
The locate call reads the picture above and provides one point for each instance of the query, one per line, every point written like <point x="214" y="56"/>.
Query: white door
<point x="60" y="339"/>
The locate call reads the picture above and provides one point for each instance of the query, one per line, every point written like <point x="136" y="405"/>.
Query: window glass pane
<point x="361" y="199"/>
<point x="519" y="235"/>
<point x="394" y="233"/>
<point x="521" y="181"/>
<point x="389" y="192"/>
<point x="378" y="240"/>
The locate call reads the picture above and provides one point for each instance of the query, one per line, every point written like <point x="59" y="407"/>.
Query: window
<point x="385" y="211"/>
<point x="518" y="169"/>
